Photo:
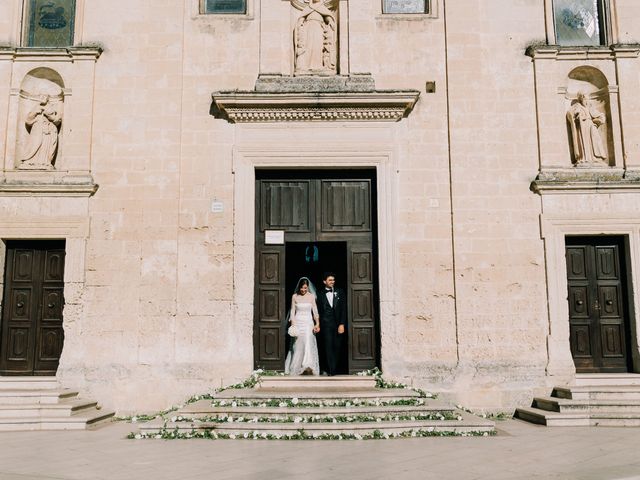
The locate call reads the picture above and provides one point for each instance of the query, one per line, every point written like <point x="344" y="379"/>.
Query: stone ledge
<point x="30" y="189"/>
<point x="587" y="180"/>
<point x="41" y="54"/>
<point x="557" y="52"/>
<point x="334" y="98"/>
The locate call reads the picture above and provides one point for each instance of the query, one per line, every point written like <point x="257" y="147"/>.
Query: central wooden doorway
<point x="598" y="303"/>
<point x="31" y="336"/>
<point x="308" y="223"/>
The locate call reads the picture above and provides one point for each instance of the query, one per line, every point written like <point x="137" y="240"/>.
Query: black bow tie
<point x="329" y="289"/>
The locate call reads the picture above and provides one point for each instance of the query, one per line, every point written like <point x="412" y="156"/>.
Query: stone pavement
<point x="519" y="451"/>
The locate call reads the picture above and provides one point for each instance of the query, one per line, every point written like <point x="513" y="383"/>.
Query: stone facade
<point x="472" y="277"/>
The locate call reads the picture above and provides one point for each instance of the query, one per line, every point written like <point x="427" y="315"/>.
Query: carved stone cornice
<point x="40" y="54"/>
<point x="258" y="107"/>
<point x="586" y="180"/>
<point x="556" y="52"/>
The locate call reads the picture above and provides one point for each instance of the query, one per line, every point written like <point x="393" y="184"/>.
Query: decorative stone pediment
<point x="337" y="98"/>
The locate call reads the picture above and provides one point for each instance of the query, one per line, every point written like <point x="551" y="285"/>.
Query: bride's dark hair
<point x="301" y="282"/>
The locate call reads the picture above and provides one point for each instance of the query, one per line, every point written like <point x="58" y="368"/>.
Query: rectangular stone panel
<point x="405" y="6"/>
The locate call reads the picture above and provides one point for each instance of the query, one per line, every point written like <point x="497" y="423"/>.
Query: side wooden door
<point x="32" y="335"/>
<point x="598" y="303"/>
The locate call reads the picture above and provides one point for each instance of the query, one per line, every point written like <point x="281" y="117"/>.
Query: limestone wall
<point x="157" y="304"/>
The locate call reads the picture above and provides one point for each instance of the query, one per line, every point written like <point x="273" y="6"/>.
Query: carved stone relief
<point x="586" y="140"/>
<point x="588" y="118"/>
<point x="315" y="38"/>
<point x="40" y="119"/>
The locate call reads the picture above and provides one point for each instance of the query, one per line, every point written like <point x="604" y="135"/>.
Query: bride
<point x="302" y="358"/>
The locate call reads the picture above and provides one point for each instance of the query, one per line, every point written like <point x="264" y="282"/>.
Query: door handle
<point x="609" y="302"/>
<point x="19" y="304"/>
<point x="596" y="305"/>
<point x="580" y="302"/>
<point x="51" y="305"/>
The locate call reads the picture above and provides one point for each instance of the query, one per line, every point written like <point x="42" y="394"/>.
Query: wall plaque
<point x="225" y="6"/>
<point x="405" y="6"/>
<point x="274" y="237"/>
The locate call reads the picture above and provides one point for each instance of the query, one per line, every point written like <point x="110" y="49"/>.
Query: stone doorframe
<point x="245" y="163"/>
<point x="75" y="231"/>
<point x="554" y="229"/>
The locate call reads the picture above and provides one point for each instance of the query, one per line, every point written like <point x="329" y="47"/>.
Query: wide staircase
<point x="38" y="403"/>
<point x="305" y="407"/>
<point x="611" y="400"/>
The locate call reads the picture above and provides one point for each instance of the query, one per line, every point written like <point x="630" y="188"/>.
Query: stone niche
<point x="588" y="119"/>
<point x="40" y="117"/>
<point x="47" y="115"/>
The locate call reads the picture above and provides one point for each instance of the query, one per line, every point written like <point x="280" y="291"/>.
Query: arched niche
<point x="589" y="118"/>
<point x="40" y="117"/>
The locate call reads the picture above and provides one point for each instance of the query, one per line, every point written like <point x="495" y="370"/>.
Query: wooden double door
<point x="31" y="332"/>
<point x="307" y="224"/>
<point x="598" y="303"/>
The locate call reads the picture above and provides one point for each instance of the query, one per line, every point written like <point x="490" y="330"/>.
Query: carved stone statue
<point x="315" y="38"/>
<point x="586" y="139"/>
<point x="43" y="125"/>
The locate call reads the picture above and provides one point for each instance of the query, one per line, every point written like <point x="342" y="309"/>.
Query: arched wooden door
<point x="320" y="209"/>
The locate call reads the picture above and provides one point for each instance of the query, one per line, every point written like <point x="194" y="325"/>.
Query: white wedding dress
<point x="303" y="353"/>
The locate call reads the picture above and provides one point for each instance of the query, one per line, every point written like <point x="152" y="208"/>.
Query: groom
<point x="333" y="320"/>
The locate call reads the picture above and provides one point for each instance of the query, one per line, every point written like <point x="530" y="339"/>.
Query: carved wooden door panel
<point x="32" y="333"/>
<point x="281" y="205"/>
<point x="597" y="303"/>
<point x="347" y="214"/>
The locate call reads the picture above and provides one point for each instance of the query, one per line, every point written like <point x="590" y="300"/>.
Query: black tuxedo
<point x="330" y="319"/>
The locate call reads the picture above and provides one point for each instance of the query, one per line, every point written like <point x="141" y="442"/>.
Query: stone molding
<point x="38" y="54"/>
<point x="556" y="52"/>
<point x="589" y="180"/>
<point x="255" y="107"/>
<point x="47" y="190"/>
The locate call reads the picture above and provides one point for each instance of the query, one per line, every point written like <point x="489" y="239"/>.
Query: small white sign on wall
<point x="274" y="237"/>
<point x="217" y="207"/>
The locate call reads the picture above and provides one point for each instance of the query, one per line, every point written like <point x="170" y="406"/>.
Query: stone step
<point x="552" y="419"/>
<point x="604" y="392"/>
<point x="28" y="383"/>
<point x="203" y="408"/>
<point x="610" y="379"/>
<point x="81" y="421"/>
<point x="64" y="409"/>
<point x="468" y="424"/>
<point x="340" y="382"/>
<point x="329" y="393"/>
<point x="594" y="406"/>
<point x="562" y="419"/>
<point x="47" y="396"/>
<point x="615" y="420"/>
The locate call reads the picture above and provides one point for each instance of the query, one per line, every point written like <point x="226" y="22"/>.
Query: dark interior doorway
<point x="312" y="260"/>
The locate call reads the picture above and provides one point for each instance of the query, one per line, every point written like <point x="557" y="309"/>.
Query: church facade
<point x="470" y="172"/>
